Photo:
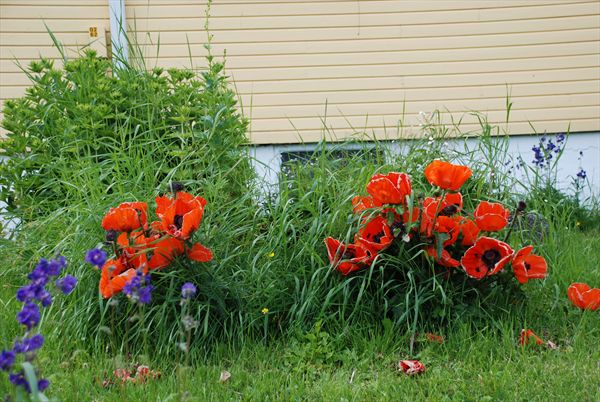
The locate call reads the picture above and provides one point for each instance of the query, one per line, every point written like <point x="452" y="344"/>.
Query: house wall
<point x="354" y="65"/>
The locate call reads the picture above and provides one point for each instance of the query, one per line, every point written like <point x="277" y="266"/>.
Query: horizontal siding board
<point x="395" y="95"/>
<point x="198" y="35"/>
<point x="521" y="115"/>
<point x="390" y="132"/>
<point x="414" y="107"/>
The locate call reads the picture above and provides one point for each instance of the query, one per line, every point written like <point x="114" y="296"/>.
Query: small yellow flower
<point x="271" y="254"/>
<point x="578" y="223"/>
<point x="264" y="310"/>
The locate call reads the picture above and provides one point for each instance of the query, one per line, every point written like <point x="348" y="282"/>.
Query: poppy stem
<point x="512" y="225"/>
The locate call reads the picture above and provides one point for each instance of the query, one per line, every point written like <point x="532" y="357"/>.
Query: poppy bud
<point x="521" y="206"/>
<point x="111" y="236"/>
<point x="175" y="186"/>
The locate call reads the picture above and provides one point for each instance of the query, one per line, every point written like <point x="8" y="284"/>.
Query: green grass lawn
<point x="479" y="359"/>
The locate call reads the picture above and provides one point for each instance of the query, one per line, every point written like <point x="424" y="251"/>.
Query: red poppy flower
<point x="448" y="206"/>
<point x="486" y="257"/>
<point x="584" y="296"/>
<point x="376" y="235"/>
<point x="430" y="206"/>
<point x="528" y="266"/>
<point x="347" y="258"/>
<point x="165" y="251"/>
<point x="199" y="253"/>
<point x="446" y="175"/>
<point x="469" y="231"/>
<point x="360" y="204"/>
<point x="411" y="367"/>
<point x="126" y="217"/>
<point x="182" y="216"/>
<point x="133" y="249"/>
<point x="491" y="216"/>
<point x="446" y="259"/>
<point x="163" y="202"/>
<point x="527" y="336"/>
<point x="114" y="276"/>
<point x="434" y="338"/>
<point x="451" y="204"/>
<point x="391" y="188"/>
<point x="450" y="226"/>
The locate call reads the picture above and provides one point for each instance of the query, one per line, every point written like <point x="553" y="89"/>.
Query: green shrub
<point x="87" y="125"/>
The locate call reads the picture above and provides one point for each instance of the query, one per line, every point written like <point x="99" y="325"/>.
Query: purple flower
<point x="145" y="294"/>
<point x="26" y="293"/>
<point x="43" y="384"/>
<point x="44" y="297"/>
<point x="560" y="137"/>
<point x="582" y="174"/>
<point x="188" y="290"/>
<point x="18" y="379"/>
<point x="66" y="284"/>
<point x="29" y="315"/>
<point x="55" y="266"/>
<point x="29" y="344"/>
<point x="95" y="257"/>
<point x="7" y="359"/>
<point x="139" y="289"/>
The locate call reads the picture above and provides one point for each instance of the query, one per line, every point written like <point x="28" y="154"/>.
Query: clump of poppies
<point x="141" y="247"/>
<point x="472" y="243"/>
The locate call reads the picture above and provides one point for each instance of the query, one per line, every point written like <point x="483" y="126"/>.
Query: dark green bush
<point x="84" y="125"/>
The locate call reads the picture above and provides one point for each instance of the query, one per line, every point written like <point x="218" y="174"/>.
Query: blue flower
<point x="43" y="384"/>
<point x="560" y="137"/>
<point x="138" y="289"/>
<point x="29" y="344"/>
<point x="95" y="257"/>
<point x="7" y="359"/>
<point x="29" y="315"/>
<point x="26" y="293"/>
<point x="188" y="290"/>
<point x="66" y="284"/>
<point x="582" y="174"/>
<point x="55" y="266"/>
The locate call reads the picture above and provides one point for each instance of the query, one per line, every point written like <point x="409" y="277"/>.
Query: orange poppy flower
<point x="163" y="202"/>
<point x="446" y="259"/>
<point x="391" y="188"/>
<point x="469" y="231"/>
<point x="115" y="274"/>
<point x="376" y="235"/>
<point x="165" y="251"/>
<point x="133" y="249"/>
<point x="347" y="258"/>
<point x="527" y="336"/>
<point x="411" y="367"/>
<point x="446" y="175"/>
<point x="447" y="206"/>
<point x="491" y="216"/>
<point x="199" y="253"/>
<point x="434" y="338"/>
<point x="486" y="257"/>
<point x="528" y="266"/>
<point x="126" y="217"/>
<point x="450" y="226"/>
<point x="430" y="205"/>
<point x="584" y="296"/>
<point x="182" y="216"/>
<point x="360" y="204"/>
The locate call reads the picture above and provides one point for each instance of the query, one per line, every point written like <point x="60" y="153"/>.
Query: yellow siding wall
<point x="24" y="36"/>
<point x="385" y="59"/>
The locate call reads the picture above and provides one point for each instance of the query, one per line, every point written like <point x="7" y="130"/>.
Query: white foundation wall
<point x="267" y="161"/>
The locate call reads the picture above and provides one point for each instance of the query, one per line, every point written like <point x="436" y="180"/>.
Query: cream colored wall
<point x="385" y="59"/>
<point x="24" y="36"/>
